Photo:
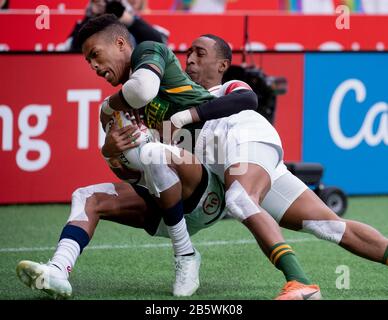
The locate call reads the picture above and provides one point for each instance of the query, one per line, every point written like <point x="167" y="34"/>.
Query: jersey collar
<point x="215" y="88"/>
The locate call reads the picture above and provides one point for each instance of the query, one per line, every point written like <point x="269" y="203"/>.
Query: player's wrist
<point x="106" y="109"/>
<point x="194" y="115"/>
<point x="106" y="153"/>
<point x="181" y="118"/>
<point x="118" y="102"/>
<point x="111" y="163"/>
<point x="133" y="180"/>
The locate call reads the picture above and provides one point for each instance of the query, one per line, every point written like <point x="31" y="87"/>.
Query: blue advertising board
<point x="346" y="119"/>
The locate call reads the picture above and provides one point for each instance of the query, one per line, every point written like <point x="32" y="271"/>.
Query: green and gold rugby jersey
<point x="177" y="91"/>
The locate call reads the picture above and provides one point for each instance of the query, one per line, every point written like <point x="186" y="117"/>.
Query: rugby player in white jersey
<point x="290" y="202"/>
<point x="75" y="236"/>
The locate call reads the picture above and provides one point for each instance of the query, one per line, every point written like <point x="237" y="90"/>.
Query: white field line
<point x="151" y="245"/>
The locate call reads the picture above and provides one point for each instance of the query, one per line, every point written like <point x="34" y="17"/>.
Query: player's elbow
<point x="250" y="99"/>
<point x="149" y="92"/>
<point x="143" y="96"/>
<point x="141" y="88"/>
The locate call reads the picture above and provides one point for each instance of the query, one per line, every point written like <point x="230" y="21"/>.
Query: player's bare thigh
<point x="255" y="179"/>
<point x="308" y="206"/>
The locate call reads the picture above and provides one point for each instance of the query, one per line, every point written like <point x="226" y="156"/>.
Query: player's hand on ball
<point x="118" y="140"/>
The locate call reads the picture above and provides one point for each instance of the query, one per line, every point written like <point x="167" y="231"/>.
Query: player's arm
<point x="140" y="89"/>
<point x="118" y="140"/>
<point x="228" y="105"/>
<point x="238" y="96"/>
<point x="148" y="64"/>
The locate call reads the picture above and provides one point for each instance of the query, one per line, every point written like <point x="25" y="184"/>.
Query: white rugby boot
<point x="186" y="274"/>
<point x="44" y="277"/>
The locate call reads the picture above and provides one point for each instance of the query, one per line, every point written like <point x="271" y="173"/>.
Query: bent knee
<point x="88" y="199"/>
<point x="331" y="230"/>
<point x="95" y="204"/>
<point x="239" y="203"/>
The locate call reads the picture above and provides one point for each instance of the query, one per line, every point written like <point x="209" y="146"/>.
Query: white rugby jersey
<point x="211" y="146"/>
<point x="228" y="87"/>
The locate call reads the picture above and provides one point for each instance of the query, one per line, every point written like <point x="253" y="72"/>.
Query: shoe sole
<point x="189" y="294"/>
<point x="33" y="278"/>
<point x="311" y="296"/>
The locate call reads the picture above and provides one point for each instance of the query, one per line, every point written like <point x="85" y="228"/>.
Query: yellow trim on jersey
<point x="279" y="255"/>
<point x="276" y="250"/>
<point x="118" y="119"/>
<point x="179" y="89"/>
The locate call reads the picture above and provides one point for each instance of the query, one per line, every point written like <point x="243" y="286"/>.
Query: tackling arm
<point x="227" y="105"/>
<point x="236" y="96"/>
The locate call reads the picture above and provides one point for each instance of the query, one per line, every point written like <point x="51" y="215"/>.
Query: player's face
<point x="110" y="59"/>
<point x="202" y="62"/>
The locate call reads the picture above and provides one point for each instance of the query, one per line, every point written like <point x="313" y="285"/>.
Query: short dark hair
<point x="105" y="22"/>
<point x="223" y="49"/>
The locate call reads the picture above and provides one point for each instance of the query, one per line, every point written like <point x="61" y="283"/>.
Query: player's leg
<point x="172" y="175"/>
<point x="126" y="207"/>
<point x="246" y="185"/>
<point x="308" y="213"/>
<point x="116" y="202"/>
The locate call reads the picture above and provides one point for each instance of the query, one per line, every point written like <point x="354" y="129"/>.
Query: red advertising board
<point x="49" y="107"/>
<point x="293" y="32"/>
<point x="21" y="32"/>
<point x="289" y="111"/>
<point x="151" y="4"/>
<point x="52" y="4"/>
<point x="266" y="32"/>
<point x="185" y="28"/>
<point x="49" y="126"/>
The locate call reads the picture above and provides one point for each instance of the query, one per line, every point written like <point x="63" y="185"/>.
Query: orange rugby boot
<point x="294" y="290"/>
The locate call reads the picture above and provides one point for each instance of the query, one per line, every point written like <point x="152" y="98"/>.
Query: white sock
<point x="180" y="238"/>
<point x="66" y="255"/>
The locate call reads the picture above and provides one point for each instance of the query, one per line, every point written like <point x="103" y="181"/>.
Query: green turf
<point x="229" y="270"/>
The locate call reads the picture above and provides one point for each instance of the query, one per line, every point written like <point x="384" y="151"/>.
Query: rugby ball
<point x="131" y="157"/>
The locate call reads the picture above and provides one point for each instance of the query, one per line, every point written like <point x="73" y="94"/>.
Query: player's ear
<point x="224" y="64"/>
<point x="120" y="42"/>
